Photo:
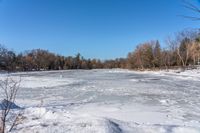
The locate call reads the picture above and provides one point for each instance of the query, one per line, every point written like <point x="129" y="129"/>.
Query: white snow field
<point x="109" y="101"/>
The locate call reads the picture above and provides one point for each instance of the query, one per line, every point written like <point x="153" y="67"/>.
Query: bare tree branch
<point x="192" y="7"/>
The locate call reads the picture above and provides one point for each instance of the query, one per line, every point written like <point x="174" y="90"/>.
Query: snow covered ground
<point x="109" y="101"/>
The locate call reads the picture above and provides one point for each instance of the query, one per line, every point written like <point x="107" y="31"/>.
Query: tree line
<point x="39" y="59"/>
<point x="180" y="51"/>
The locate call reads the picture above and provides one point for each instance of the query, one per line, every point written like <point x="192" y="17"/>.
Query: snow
<point x="109" y="101"/>
<point x="5" y="103"/>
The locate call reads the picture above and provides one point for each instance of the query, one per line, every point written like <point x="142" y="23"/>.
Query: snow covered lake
<point x="109" y="101"/>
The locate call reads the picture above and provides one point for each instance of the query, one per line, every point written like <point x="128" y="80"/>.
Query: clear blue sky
<point x="95" y="28"/>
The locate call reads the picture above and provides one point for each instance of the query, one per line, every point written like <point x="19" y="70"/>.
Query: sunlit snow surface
<point x="109" y="101"/>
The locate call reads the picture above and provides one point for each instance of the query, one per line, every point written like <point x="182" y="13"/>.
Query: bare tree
<point x="183" y="51"/>
<point x="165" y="55"/>
<point x="182" y="45"/>
<point x="9" y="89"/>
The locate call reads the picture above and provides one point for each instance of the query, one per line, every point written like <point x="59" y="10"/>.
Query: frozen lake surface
<point x="109" y="101"/>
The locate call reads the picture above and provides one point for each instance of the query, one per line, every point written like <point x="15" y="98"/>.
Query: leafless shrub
<point x="8" y="88"/>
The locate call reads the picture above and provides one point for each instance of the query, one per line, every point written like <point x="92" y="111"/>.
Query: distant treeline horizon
<point x="181" y="50"/>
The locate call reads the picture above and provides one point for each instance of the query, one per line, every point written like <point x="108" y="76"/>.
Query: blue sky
<point x="96" y="28"/>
